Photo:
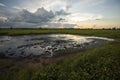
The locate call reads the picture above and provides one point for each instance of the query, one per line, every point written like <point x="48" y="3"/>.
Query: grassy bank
<point x="105" y="33"/>
<point x="100" y="63"/>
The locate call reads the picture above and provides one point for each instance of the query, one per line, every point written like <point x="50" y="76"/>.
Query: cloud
<point x="7" y="11"/>
<point x="56" y="5"/>
<point x="44" y="13"/>
<point x="68" y="11"/>
<point x="62" y="12"/>
<point x="78" y="17"/>
<point x="55" y="25"/>
<point x="89" y="2"/>
<point x="1" y="4"/>
<point x="41" y="15"/>
<point x="75" y="18"/>
<point x="56" y="11"/>
<point x="84" y="5"/>
<point x="17" y="25"/>
<point x="47" y="4"/>
<point x="25" y="17"/>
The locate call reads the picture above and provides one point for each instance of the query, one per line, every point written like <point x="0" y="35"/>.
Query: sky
<point x="83" y="13"/>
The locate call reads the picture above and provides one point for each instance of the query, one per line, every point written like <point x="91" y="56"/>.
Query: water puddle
<point x="47" y="45"/>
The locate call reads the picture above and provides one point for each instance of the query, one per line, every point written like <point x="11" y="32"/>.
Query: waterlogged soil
<point x="46" y="45"/>
<point x="42" y="50"/>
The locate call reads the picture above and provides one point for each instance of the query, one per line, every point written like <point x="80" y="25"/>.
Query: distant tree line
<point x="114" y="28"/>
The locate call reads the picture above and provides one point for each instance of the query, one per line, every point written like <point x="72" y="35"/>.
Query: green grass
<point x="97" y="64"/>
<point x="105" y="33"/>
<point x="100" y="63"/>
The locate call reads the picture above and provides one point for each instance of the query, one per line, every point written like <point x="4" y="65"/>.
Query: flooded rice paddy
<point x="47" y="45"/>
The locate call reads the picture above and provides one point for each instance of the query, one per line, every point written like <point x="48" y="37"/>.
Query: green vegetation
<point x="104" y="33"/>
<point x="100" y="63"/>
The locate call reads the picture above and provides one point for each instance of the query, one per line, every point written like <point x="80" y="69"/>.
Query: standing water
<point x="47" y="45"/>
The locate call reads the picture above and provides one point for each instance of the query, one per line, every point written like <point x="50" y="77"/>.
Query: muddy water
<point x="47" y="45"/>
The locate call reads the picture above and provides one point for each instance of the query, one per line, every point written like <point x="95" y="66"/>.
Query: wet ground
<point x="46" y="45"/>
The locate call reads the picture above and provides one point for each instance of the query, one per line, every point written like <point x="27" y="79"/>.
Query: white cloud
<point x="33" y="5"/>
<point x="75" y="5"/>
<point x="16" y="7"/>
<point x="1" y="4"/>
<point x="78" y="17"/>
<point x="3" y="18"/>
<point x="54" y="4"/>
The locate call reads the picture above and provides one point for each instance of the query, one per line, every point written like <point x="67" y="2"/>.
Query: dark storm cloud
<point x="41" y="15"/>
<point x="62" y="12"/>
<point x="20" y="18"/>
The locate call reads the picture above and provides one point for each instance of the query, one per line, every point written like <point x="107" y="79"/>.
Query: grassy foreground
<point x="100" y="63"/>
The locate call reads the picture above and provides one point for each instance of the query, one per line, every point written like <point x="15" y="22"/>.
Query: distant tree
<point x="103" y="28"/>
<point x="11" y="27"/>
<point x="113" y="28"/>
